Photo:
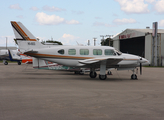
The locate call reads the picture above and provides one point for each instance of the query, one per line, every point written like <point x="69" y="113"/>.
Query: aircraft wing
<point x="112" y="60"/>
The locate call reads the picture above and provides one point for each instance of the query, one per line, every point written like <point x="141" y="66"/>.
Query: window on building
<point x="109" y="52"/>
<point x="97" y="52"/>
<point x="71" y="51"/>
<point x="84" y="52"/>
<point x="61" y="51"/>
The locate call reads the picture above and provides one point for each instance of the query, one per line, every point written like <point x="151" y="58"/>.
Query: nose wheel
<point x="134" y="77"/>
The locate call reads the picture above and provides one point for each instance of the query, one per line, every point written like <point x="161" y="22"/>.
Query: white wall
<point x="148" y="47"/>
<point x="116" y="44"/>
<point x="162" y="48"/>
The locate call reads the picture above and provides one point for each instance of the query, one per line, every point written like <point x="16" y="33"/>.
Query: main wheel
<point x="6" y="63"/>
<point x="102" y="77"/>
<point x="93" y="74"/>
<point x="19" y="63"/>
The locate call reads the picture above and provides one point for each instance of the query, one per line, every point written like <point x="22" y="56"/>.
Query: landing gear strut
<point x="134" y="76"/>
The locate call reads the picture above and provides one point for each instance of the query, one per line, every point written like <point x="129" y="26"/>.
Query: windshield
<point x="118" y="52"/>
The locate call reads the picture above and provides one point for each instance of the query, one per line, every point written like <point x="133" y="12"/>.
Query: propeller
<point x="140" y="67"/>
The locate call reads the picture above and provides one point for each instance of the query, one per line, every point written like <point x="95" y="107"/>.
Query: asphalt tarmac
<point x="30" y="94"/>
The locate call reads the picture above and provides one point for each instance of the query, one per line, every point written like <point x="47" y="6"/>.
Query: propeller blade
<point x="140" y="68"/>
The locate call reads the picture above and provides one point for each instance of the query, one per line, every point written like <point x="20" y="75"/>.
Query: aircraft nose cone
<point x="144" y="62"/>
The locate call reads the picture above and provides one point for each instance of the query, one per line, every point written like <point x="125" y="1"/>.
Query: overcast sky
<point x="72" y="21"/>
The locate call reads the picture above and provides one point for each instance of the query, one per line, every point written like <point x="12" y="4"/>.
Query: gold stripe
<point x="57" y="56"/>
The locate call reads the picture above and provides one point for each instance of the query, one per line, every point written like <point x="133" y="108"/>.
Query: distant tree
<point x="51" y="41"/>
<point x="106" y="42"/>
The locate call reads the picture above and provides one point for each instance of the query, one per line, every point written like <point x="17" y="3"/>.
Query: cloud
<point x="124" y="21"/>
<point x="44" y="19"/>
<point x="68" y="39"/>
<point x="161" y="23"/>
<point x="150" y="1"/>
<point x="15" y="6"/>
<point x="116" y="22"/>
<point x="34" y="8"/>
<point x="159" y="6"/>
<point x="52" y="9"/>
<point x="72" y="22"/>
<point x="133" y="6"/>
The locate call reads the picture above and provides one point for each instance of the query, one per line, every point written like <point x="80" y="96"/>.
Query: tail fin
<point x="13" y="56"/>
<point x="21" y="32"/>
<point x="25" y="39"/>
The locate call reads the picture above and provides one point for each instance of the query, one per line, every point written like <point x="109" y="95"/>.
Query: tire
<point x="102" y="77"/>
<point x="19" y="63"/>
<point x="93" y="75"/>
<point x="6" y="63"/>
<point x="134" y="77"/>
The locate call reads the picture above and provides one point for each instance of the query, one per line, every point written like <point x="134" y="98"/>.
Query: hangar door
<point x="134" y="46"/>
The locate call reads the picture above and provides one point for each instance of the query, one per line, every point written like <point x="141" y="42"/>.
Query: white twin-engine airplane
<point x="93" y="57"/>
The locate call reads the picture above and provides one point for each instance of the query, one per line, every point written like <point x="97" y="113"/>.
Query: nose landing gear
<point x="134" y="76"/>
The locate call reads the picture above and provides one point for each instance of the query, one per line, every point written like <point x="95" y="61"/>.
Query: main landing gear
<point x="5" y="62"/>
<point x="93" y="74"/>
<point x="102" y="75"/>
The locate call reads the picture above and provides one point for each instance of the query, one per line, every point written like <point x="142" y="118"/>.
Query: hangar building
<point x="140" y="42"/>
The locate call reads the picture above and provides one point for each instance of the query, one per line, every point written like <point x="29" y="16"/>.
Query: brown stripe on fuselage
<point x="56" y="56"/>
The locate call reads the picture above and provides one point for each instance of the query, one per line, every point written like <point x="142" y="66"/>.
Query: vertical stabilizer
<point x="21" y="32"/>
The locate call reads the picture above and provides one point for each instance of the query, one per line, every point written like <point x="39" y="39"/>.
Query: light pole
<point x="94" y="41"/>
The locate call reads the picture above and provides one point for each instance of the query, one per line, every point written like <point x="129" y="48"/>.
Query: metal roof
<point x="130" y="33"/>
<point x="148" y="30"/>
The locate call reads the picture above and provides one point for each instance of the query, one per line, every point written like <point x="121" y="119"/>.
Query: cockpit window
<point x="118" y="52"/>
<point x="61" y="51"/>
<point x="109" y="52"/>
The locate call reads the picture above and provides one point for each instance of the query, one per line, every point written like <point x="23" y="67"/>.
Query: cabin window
<point x="84" y="52"/>
<point x="97" y="52"/>
<point x="61" y="51"/>
<point x="71" y="51"/>
<point x="109" y="52"/>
